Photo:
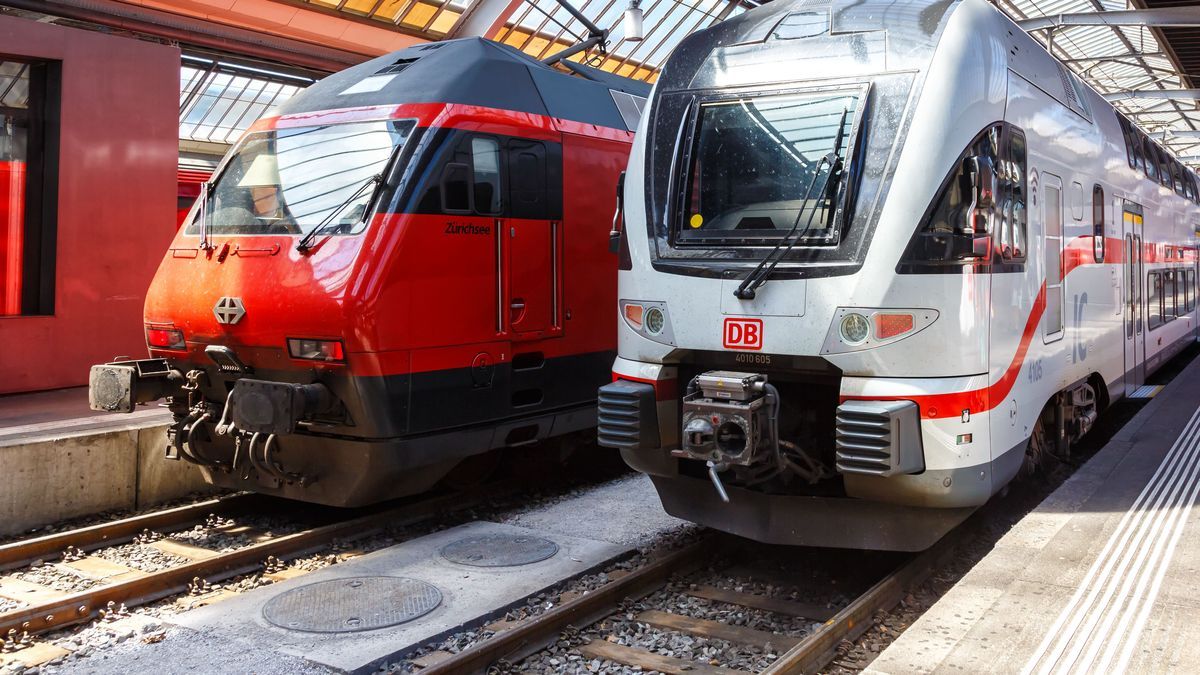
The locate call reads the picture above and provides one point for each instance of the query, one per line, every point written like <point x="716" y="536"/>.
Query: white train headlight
<point x="856" y="328"/>
<point x="648" y="319"/>
<point x="655" y="321"/>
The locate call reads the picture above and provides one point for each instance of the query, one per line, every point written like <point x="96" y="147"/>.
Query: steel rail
<point x="820" y="647"/>
<point x="534" y="634"/>
<point x="85" y="605"/>
<point x="48" y="547"/>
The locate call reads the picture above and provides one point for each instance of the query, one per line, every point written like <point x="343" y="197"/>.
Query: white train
<point x="876" y="256"/>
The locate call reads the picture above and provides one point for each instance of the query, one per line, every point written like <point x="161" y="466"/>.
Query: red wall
<point x="119" y="146"/>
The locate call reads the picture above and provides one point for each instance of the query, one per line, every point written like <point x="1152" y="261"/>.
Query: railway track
<point x="514" y="641"/>
<point x="45" y="609"/>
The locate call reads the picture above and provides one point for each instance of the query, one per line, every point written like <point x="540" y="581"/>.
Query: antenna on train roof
<point x="596" y="36"/>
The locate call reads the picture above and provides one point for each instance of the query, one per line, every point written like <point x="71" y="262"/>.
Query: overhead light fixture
<point x="633" y="22"/>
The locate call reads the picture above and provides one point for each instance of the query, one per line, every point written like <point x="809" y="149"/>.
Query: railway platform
<point x="59" y="460"/>
<point x="1101" y="577"/>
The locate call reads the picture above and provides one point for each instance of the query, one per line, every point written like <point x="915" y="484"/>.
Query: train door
<point x="1133" y="279"/>
<point x="1052" y="223"/>
<point x="534" y="246"/>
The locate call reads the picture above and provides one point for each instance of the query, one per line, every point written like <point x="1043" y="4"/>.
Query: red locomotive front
<point x="396" y="272"/>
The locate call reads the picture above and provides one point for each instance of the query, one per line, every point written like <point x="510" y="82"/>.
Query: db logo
<point x="743" y="334"/>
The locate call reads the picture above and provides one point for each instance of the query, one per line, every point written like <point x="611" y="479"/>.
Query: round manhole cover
<point x="353" y="604"/>
<point x="499" y="550"/>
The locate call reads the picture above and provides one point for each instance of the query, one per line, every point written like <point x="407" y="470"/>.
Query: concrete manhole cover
<point x="499" y="550"/>
<point x="352" y="604"/>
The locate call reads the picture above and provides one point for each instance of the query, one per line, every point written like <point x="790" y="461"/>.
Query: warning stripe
<point x="1112" y="603"/>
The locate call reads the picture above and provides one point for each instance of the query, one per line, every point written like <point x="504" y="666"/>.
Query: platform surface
<point x="1102" y="577"/>
<point x="63" y="413"/>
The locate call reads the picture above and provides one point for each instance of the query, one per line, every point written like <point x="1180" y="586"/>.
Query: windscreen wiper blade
<point x="376" y="181"/>
<point x="758" y="276"/>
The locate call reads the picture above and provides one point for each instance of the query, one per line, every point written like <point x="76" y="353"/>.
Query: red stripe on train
<point x="451" y="115"/>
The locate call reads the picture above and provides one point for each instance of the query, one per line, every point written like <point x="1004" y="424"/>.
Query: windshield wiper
<point x="758" y="276"/>
<point x="376" y="180"/>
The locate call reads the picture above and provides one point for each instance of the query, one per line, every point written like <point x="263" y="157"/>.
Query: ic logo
<point x="743" y="334"/>
<point x="229" y="310"/>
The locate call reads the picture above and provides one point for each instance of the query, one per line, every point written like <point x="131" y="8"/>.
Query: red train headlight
<point x="165" y="338"/>
<point x="316" y="350"/>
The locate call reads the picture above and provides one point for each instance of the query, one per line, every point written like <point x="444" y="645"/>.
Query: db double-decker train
<point x="876" y="257"/>
<point x="404" y="266"/>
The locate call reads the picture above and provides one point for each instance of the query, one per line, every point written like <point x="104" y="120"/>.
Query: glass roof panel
<point x="218" y="101"/>
<point x="542" y="28"/>
<point x="1118" y="59"/>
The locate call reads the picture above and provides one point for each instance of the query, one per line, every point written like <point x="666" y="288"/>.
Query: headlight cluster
<point x="648" y="319"/>
<point x="857" y="328"/>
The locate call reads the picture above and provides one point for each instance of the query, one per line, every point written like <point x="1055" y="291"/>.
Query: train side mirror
<point x="614" y="235"/>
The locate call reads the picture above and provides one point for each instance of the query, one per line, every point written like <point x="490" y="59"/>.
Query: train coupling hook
<point x="713" y="468"/>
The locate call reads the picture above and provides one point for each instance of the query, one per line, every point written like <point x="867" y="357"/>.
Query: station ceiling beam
<point x="191" y="31"/>
<point x="1169" y="94"/>
<point x="1183" y="17"/>
<point x="484" y="18"/>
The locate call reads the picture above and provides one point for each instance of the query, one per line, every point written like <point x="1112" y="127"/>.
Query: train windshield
<point x="764" y="168"/>
<point x="295" y="180"/>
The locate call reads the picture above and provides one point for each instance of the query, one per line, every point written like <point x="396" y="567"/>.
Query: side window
<point x="1170" y="293"/>
<point x="1154" y="313"/>
<point x="1098" y="244"/>
<point x="528" y="182"/>
<point x="1052" y="320"/>
<point x="485" y="165"/>
<point x="1191" y="290"/>
<point x="456" y="188"/>
<point x="1127" y="133"/>
<point x="1151" y="164"/>
<point x="29" y="128"/>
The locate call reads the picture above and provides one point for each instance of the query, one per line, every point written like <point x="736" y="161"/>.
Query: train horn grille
<point x="879" y="438"/>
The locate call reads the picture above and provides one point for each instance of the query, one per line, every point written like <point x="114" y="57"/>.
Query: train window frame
<point x="1099" y="243"/>
<point x="1053" y="323"/>
<point x="444" y="191"/>
<point x="1164" y="167"/>
<point x="1139" y="157"/>
<point x="498" y="200"/>
<point x="529" y="192"/>
<point x="1149" y="166"/>
<point x="688" y="153"/>
<point x="1191" y="290"/>
<point x="1126" y="133"/>
<point x="34" y="274"/>
<point x="1170" y="288"/>
<point x="1154" y="302"/>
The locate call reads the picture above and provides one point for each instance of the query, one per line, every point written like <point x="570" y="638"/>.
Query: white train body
<point x="1062" y="296"/>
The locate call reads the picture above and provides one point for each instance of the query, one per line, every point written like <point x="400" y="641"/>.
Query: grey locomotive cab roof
<point x="472" y="71"/>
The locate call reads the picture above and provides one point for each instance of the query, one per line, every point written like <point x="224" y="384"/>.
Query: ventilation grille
<point x="864" y="442"/>
<point x="396" y="67"/>
<point x="619" y="414"/>
<point x="1068" y="87"/>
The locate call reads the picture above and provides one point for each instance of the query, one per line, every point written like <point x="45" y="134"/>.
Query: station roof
<point x="1134" y="62"/>
<point x="541" y="28"/>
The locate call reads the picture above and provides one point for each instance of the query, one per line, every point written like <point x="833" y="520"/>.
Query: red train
<point x="405" y="267"/>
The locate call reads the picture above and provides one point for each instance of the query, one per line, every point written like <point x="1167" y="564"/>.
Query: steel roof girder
<point x="1170" y="94"/>
<point x="1146" y="18"/>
